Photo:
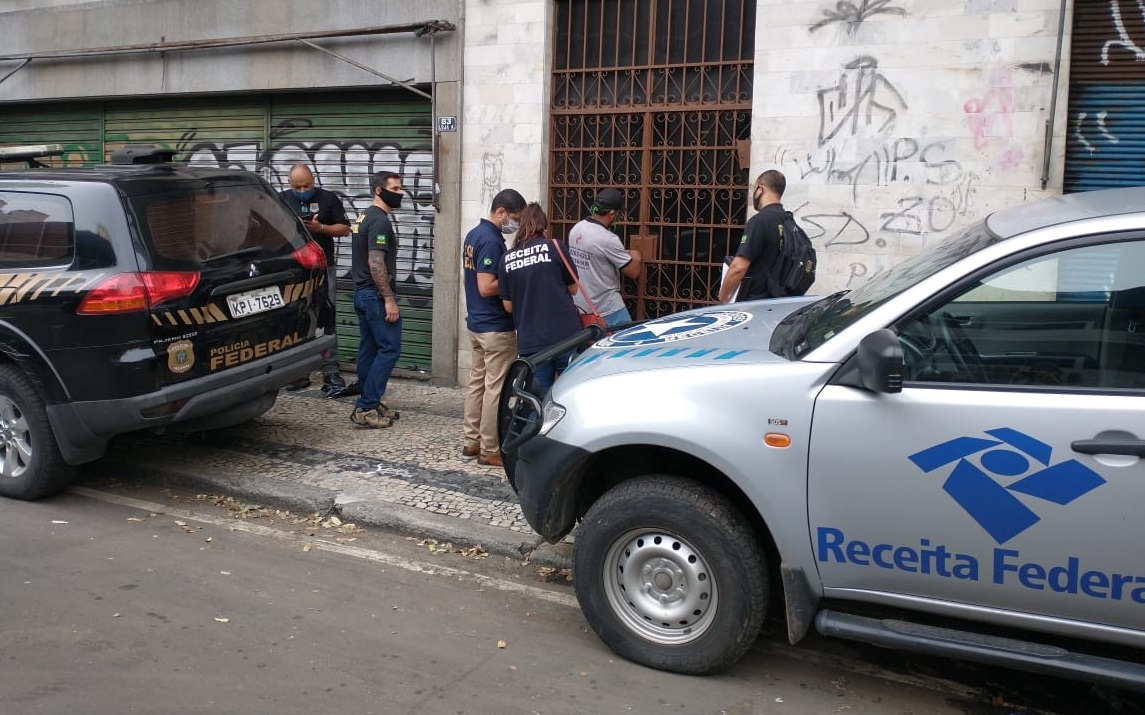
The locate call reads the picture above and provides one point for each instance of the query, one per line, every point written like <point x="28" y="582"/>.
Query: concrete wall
<point x="898" y="126"/>
<point x="263" y="67"/>
<point x="506" y="104"/>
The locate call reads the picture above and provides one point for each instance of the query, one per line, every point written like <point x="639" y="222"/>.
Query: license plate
<point x="254" y="301"/>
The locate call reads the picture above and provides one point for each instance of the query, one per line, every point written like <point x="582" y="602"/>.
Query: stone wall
<point x="897" y="123"/>
<point x="505" y="103"/>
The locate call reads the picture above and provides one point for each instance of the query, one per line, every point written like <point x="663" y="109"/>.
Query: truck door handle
<point x="1135" y="447"/>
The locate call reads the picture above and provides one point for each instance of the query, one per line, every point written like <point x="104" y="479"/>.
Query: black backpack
<point x="794" y="270"/>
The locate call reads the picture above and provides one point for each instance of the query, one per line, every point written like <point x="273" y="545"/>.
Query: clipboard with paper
<point x="744" y="282"/>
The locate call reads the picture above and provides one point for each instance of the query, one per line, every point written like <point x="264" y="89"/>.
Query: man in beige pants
<point x="491" y="337"/>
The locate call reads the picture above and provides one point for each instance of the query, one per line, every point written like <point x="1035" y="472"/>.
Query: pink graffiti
<point x="992" y="116"/>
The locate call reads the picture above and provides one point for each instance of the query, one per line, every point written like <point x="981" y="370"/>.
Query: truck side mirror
<point x="881" y="362"/>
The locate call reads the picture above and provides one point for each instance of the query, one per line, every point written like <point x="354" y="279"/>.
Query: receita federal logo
<point x="1008" y="463"/>
<point x="675" y="328"/>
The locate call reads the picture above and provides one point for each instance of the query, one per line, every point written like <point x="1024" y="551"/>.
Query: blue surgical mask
<point x="304" y="195"/>
<point x="510" y="227"/>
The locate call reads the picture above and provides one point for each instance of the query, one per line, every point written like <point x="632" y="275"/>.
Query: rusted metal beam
<point x="430" y="27"/>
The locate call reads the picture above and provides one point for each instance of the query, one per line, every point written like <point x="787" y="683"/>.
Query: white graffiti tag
<point x="1123" y="41"/>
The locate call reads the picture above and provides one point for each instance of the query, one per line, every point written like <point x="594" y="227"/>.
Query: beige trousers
<point x="493" y="353"/>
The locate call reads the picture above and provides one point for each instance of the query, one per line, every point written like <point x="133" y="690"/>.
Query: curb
<point x="401" y="518"/>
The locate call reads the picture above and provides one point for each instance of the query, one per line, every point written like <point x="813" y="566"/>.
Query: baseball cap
<point x="608" y="200"/>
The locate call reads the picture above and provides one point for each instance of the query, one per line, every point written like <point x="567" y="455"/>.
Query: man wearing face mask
<point x="759" y="249"/>
<point x="492" y="339"/>
<point x="325" y="219"/>
<point x="375" y="247"/>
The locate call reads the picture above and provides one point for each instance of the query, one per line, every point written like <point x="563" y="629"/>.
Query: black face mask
<point x="392" y="198"/>
<point x="757" y="199"/>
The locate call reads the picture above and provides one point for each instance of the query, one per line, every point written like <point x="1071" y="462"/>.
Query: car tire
<point x="31" y="466"/>
<point x="669" y="575"/>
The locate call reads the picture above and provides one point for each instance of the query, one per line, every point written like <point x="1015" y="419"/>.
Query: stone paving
<point x="307" y="440"/>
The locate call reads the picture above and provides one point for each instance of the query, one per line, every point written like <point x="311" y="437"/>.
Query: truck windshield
<point x="806" y="329"/>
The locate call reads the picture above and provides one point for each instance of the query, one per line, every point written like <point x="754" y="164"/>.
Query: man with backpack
<point x="775" y="257"/>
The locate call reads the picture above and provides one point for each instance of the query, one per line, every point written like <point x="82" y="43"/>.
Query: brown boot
<point x="490" y="460"/>
<point x="370" y="418"/>
<point x="471" y="449"/>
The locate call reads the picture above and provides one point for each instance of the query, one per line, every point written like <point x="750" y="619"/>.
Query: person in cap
<point x="601" y="258"/>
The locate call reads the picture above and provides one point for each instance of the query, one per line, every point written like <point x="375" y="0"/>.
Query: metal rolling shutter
<point x="1105" y="144"/>
<point x="225" y="132"/>
<point x="347" y="137"/>
<point x="76" y="126"/>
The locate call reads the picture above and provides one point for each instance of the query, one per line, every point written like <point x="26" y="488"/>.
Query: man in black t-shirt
<point x="324" y="217"/>
<point x="759" y="249"/>
<point x="374" y="267"/>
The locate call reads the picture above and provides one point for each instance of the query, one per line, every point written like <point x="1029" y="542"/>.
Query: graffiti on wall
<point x="852" y="16"/>
<point x="343" y="167"/>
<point x="492" y="164"/>
<point x="860" y="146"/>
<point x="992" y="116"/>
<point x="862" y="99"/>
<point x="1123" y="40"/>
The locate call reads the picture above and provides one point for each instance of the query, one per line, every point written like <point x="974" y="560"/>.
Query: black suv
<point x="143" y="294"/>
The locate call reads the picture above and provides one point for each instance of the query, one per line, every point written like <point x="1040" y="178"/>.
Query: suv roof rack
<point x="30" y="153"/>
<point x="142" y="154"/>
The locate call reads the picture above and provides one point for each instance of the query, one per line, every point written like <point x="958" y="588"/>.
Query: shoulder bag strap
<point x="579" y="287"/>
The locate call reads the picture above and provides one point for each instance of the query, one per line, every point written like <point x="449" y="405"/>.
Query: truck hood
<point x="718" y="335"/>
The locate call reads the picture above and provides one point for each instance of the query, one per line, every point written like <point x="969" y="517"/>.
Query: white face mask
<point x="510" y="227"/>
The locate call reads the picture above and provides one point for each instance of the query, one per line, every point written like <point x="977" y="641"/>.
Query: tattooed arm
<point x="381" y="278"/>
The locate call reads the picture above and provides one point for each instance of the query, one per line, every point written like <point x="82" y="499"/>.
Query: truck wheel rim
<point x="660" y="587"/>
<point x="15" y="440"/>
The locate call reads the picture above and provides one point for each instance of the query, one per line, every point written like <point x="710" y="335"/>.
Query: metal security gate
<point x="1106" y="138"/>
<point x="345" y="136"/>
<point x="654" y="97"/>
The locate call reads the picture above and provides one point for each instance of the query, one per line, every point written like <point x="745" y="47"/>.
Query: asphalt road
<point x="141" y="601"/>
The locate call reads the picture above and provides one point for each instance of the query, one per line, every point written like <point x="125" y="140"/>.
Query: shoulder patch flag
<point x="382" y="239"/>
<point x="487" y="261"/>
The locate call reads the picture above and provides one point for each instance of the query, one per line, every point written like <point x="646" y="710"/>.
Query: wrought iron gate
<point x="654" y="97"/>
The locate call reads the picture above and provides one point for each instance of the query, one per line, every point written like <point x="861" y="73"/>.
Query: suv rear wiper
<point x="235" y="254"/>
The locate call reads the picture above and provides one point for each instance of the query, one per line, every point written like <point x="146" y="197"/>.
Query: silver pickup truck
<point x="946" y="459"/>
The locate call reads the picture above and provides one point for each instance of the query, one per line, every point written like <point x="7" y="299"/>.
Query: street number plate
<point x="254" y="301"/>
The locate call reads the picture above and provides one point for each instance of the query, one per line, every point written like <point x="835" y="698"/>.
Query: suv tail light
<point x="128" y="292"/>
<point x="311" y="256"/>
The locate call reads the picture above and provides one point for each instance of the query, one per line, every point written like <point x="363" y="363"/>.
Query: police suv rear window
<point x="203" y="224"/>
<point x="35" y="229"/>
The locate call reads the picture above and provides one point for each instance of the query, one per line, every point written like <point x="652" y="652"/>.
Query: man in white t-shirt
<point x="601" y="258"/>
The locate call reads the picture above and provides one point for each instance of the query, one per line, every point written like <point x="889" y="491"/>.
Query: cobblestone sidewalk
<point x="305" y="454"/>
